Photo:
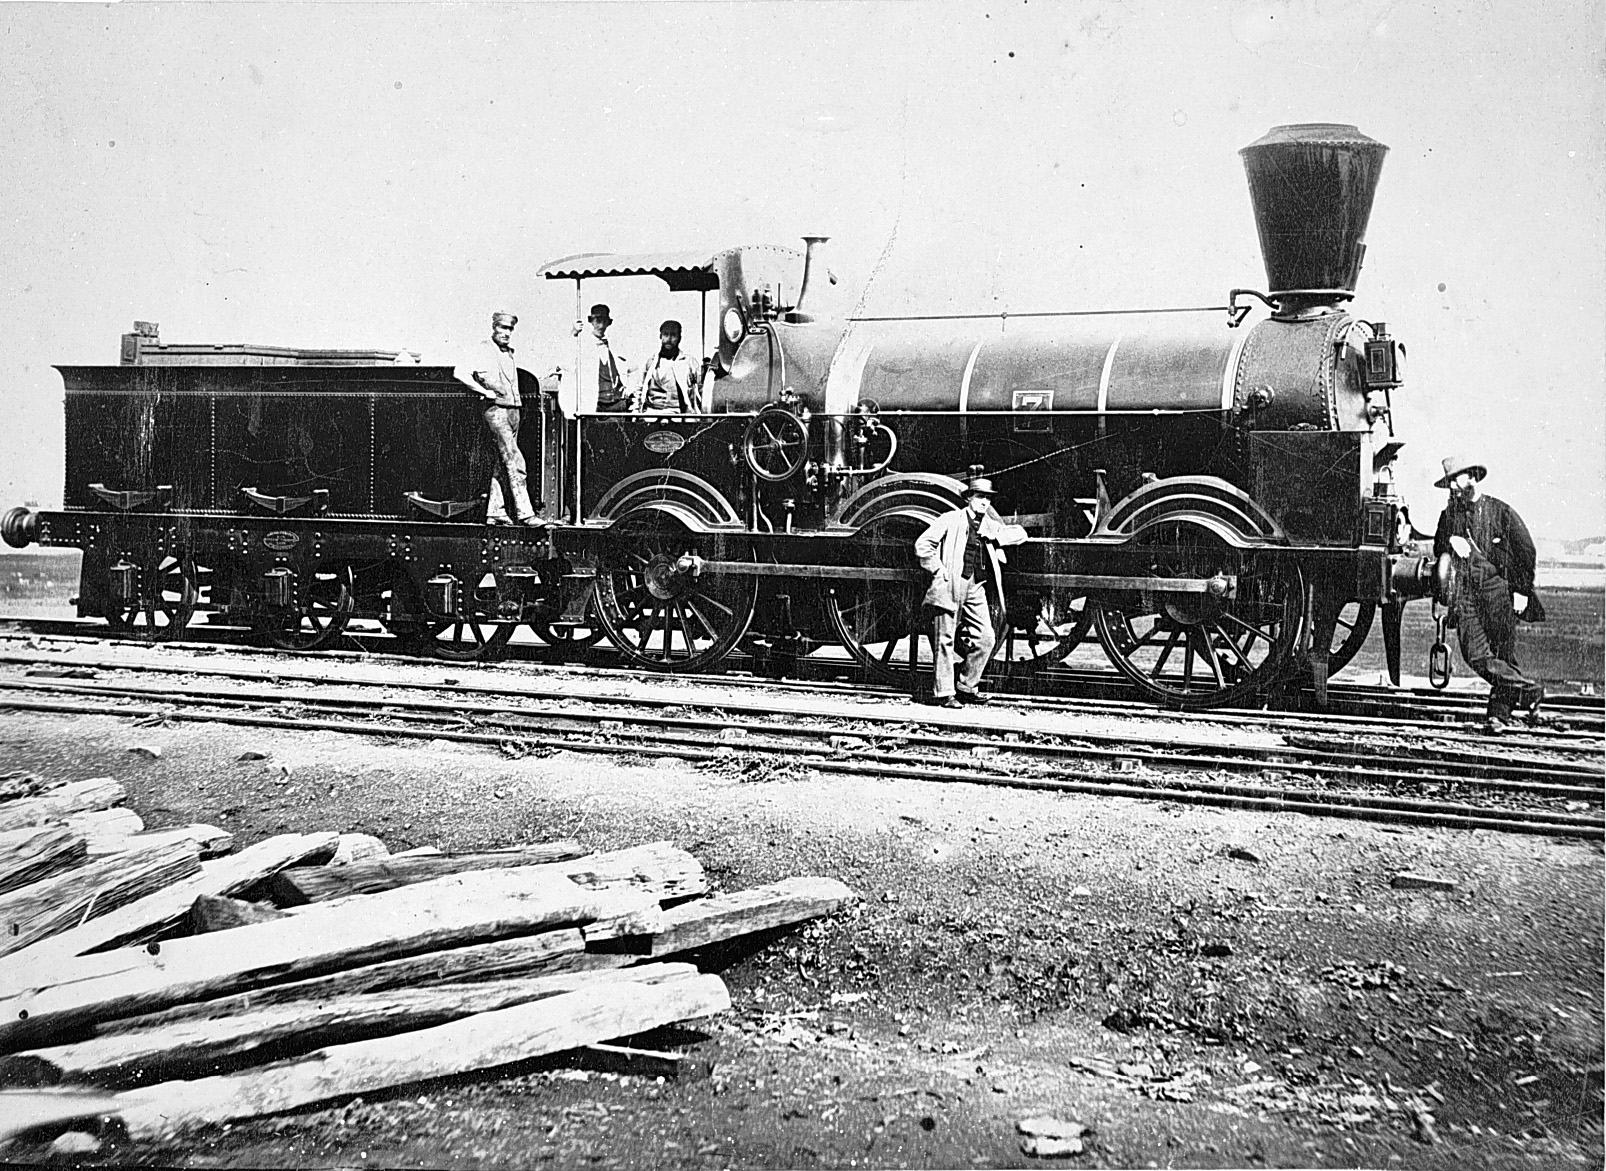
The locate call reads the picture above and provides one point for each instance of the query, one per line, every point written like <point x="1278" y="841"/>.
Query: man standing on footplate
<point x="1494" y="587"/>
<point x="956" y="549"/>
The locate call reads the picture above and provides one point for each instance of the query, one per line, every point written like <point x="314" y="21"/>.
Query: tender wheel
<point x="167" y="593"/>
<point x="1349" y="636"/>
<point x="329" y="603"/>
<point x="1044" y="630"/>
<point x="657" y="604"/>
<point x="873" y="616"/>
<point x="1197" y="650"/>
<point x="776" y="444"/>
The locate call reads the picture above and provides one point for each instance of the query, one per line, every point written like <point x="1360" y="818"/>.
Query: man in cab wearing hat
<point x="493" y="376"/>
<point x="609" y="369"/>
<point x="963" y="550"/>
<point x="1494" y="587"/>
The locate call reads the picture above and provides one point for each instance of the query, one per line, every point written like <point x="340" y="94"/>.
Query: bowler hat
<point x="1454" y="465"/>
<point x="601" y="310"/>
<point x="979" y="486"/>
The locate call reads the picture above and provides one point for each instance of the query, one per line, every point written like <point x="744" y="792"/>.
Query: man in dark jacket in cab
<point x="1494" y="587"/>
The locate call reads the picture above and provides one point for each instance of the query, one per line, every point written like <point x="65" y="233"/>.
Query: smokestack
<point x="810" y="245"/>
<point x="1312" y="187"/>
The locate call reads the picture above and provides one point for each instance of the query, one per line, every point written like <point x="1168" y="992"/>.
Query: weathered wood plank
<point x="96" y="888"/>
<point x="316" y="884"/>
<point x="22" y="1110"/>
<point x="525" y="955"/>
<point x="214" y="842"/>
<point x="483" y="1041"/>
<point x="57" y="803"/>
<point x="151" y="916"/>
<point x="36" y="852"/>
<point x="461" y="908"/>
<point x="726" y="916"/>
<point x="641" y="1062"/>
<point x="105" y="829"/>
<point x="219" y="913"/>
<point x="204" y="1046"/>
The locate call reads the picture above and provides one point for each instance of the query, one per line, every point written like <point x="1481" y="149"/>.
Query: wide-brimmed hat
<point x="980" y="486"/>
<point x="1454" y="465"/>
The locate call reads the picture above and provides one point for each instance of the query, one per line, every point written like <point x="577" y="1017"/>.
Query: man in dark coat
<point x="1494" y="576"/>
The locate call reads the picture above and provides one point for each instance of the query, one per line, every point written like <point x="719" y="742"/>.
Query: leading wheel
<point x="873" y="616"/>
<point x="166" y="593"/>
<point x="1349" y="636"/>
<point x="464" y="640"/>
<point x="776" y="444"/>
<point x="1197" y="649"/>
<point x="657" y="603"/>
<point x="321" y="615"/>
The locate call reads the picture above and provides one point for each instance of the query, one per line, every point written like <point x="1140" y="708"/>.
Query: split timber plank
<point x="56" y="905"/>
<point x="151" y="916"/>
<point x="462" y="908"/>
<point x="22" y="1110"/>
<point x="220" y="913"/>
<point x="73" y="797"/>
<point x="105" y="829"/>
<point x="214" y="842"/>
<point x="200" y="1047"/>
<point x="316" y="884"/>
<point x="524" y="955"/>
<point x="37" y="852"/>
<point x="723" y="917"/>
<point x="483" y="1041"/>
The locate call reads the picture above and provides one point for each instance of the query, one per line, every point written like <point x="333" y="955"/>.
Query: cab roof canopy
<point x="684" y="272"/>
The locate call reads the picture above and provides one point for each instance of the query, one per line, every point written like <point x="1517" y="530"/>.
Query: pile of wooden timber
<point x="140" y="982"/>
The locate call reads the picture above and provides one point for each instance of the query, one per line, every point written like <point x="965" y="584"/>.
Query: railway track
<point x="1547" y="784"/>
<point x="1358" y="703"/>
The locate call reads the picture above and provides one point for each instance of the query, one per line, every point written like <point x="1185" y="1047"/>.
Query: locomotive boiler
<point x="1211" y="496"/>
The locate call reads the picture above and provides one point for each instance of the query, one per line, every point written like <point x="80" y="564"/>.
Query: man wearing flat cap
<point x="668" y="382"/>
<point x="493" y="376"/>
<point x="963" y="550"/>
<point x="1494" y="587"/>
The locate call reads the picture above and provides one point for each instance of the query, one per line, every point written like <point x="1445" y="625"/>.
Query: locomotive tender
<point x="1213" y="498"/>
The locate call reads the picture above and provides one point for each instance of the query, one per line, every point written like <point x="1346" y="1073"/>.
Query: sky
<point x="359" y="175"/>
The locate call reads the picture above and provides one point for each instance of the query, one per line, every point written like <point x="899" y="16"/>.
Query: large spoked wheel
<point x="320" y="618"/>
<point x="776" y="444"/>
<point x="873" y="616"/>
<point x="1349" y="636"/>
<point x="167" y="593"/>
<point x="1044" y="630"/>
<point x="659" y="606"/>
<point x="1198" y="650"/>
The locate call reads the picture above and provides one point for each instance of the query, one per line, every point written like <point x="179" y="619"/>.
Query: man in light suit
<point x="957" y="549"/>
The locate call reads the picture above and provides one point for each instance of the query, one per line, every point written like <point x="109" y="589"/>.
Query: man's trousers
<point x="509" y="483"/>
<point x="972" y="623"/>
<point x="1487" y="629"/>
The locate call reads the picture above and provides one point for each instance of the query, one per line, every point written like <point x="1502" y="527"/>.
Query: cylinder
<point x="1312" y="187"/>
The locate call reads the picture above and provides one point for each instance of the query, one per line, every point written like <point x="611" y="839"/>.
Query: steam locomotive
<point x="1211" y="497"/>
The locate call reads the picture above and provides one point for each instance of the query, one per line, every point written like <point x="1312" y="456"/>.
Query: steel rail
<point x="1238" y="758"/>
<point x="1071" y="781"/>
<point x="506" y="686"/>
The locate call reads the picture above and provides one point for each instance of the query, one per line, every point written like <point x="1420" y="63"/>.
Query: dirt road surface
<point x="1196" y="987"/>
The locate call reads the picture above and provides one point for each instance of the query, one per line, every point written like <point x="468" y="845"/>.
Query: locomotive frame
<point x="1213" y="499"/>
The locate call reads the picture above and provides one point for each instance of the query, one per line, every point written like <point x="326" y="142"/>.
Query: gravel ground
<point x="1200" y="988"/>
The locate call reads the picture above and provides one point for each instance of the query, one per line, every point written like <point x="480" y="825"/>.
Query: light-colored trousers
<point x="509" y="483"/>
<point x="973" y="623"/>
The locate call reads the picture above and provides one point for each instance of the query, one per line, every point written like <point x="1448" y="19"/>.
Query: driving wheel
<point x="1201" y="649"/>
<point x="658" y="604"/>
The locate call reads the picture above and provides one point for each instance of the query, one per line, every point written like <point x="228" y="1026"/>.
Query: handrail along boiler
<point x="1212" y="497"/>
